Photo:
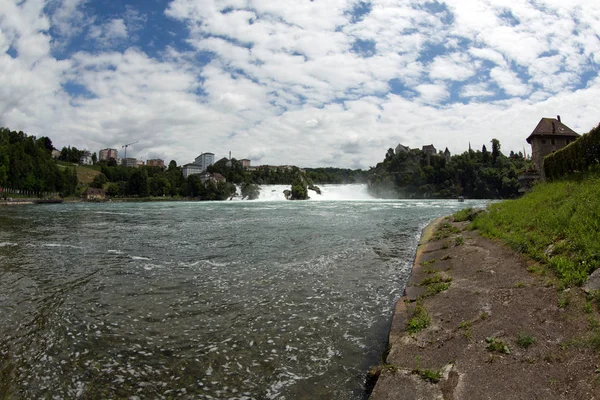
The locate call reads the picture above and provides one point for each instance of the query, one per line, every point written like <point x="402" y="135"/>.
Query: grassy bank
<point x="558" y="224"/>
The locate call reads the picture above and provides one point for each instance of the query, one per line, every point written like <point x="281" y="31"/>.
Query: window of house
<point x="543" y="141"/>
<point x="552" y="141"/>
<point x="567" y="141"/>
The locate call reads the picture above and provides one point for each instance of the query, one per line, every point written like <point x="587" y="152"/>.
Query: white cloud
<point x="432" y="93"/>
<point x="476" y="90"/>
<point x="456" y="67"/>
<point x="509" y="82"/>
<point x="285" y="87"/>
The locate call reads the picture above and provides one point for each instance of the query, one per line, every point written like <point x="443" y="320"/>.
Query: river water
<point x="226" y="300"/>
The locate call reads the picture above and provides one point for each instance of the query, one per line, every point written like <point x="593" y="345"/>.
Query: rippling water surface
<point x="240" y="300"/>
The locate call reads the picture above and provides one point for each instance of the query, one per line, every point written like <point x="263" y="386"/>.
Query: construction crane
<point x="126" y="146"/>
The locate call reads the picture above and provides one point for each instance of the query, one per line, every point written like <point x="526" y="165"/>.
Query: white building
<point x="191" y="169"/>
<point x="86" y="160"/>
<point x="204" y="160"/>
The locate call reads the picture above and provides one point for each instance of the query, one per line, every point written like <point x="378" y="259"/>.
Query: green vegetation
<point x="436" y="288"/>
<point x="577" y="156"/>
<point x="557" y="223"/>
<point x="459" y="241"/>
<point x="463" y="215"/>
<point x="524" y="340"/>
<point x="250" y="191"/>
<point x="419" y="319"/>
<point x="497" y="345"/>
<point x="465" y="326"/>
<point x="474" y="174"/>
<point x="429" y="375"/>
<point x="444" y="230"/>
<point x="26" y="164"/>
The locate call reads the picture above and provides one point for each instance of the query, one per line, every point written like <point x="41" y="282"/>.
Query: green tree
<point x="495" y="149"/>
<point x="99" y="181"/>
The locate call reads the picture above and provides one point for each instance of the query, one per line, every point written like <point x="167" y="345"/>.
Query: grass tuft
<point x="419" y="319"/>
<point x="497" y="345"/>
<point x="524" y="340"/>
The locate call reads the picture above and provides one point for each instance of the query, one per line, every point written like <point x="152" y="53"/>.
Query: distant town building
<point x="191" y="169"/>
<point x="86" y="160"/>
<point x="107" y="154"/>
<point x="402" y="149"/>
<point x="156" y="162"/>
<point x="447" y="155"/>
<point x="55" y="153"/>
<point x="129" y="162"/>
<point x="212" y="177"/>
<point x="204" y="160"/>
<point x="549" y="135"/>
<point x="245" y="163"/>
<point x="93" y="194"/>
<point x="429" y="150"/>
<point x="140" y="163"/>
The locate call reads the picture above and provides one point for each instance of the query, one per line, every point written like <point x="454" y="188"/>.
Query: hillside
<point x="85" y="175"/>
<point x="558" y="224"/>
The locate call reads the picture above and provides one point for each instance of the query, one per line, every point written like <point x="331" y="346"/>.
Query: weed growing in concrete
<point x="524" y="340"/>
<point x="459" y="241"/>
<point x="419" y="319"/>
<point x="519" y="285"/>
<point x="497" y="345"/>
<point x="465" y="326"/>
<point x="446" y="257"/>
<point x="445" y="230"/>
<point x="429" y="375"/>
<point x="424" y="263"/>
<point x="435" y="278"/>
<point x="588" y="307"/>
<point x="436" y="288"/>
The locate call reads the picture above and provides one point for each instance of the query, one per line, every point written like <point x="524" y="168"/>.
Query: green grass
<point x="463" y="215"/>
<point x="564" y="214"/>
<point x="524" y="340"/>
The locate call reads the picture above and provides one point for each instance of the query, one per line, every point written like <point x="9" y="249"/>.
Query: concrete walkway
<point x="496" y="327"/>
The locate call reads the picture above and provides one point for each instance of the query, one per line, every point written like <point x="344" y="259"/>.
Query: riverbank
<point x="479" y="320"/>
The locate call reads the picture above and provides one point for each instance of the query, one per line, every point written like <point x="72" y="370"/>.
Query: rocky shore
<point x="479" y="321"/>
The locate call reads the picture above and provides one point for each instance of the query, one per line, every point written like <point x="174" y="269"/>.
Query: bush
<point x="578" y="156"/>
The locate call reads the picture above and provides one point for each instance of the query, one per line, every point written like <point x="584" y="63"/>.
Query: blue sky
<point x="310" y="83"/>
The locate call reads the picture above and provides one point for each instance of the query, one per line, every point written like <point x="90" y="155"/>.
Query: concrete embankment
<point x="479" y="321"/>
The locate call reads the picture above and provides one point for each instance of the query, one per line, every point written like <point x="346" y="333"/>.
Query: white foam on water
<point x="61" y="245"/>
<point x="329" y="192"/>
<point x="8" y="244"/>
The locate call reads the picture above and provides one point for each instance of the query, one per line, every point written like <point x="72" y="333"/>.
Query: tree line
<point x="26" y="163"/>
<point x="477" y="174"/>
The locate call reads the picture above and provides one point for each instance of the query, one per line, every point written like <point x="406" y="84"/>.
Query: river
<point x="228" y="300"/>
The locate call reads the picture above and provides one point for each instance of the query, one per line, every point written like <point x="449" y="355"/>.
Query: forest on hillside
<point x="26" y="165"/>
<point x="480" y="174"/>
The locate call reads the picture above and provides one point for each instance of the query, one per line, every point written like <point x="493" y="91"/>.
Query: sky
<point x="304" y="82"/>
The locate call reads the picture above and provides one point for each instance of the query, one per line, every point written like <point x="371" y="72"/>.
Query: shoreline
<point x="478" y="320"/>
